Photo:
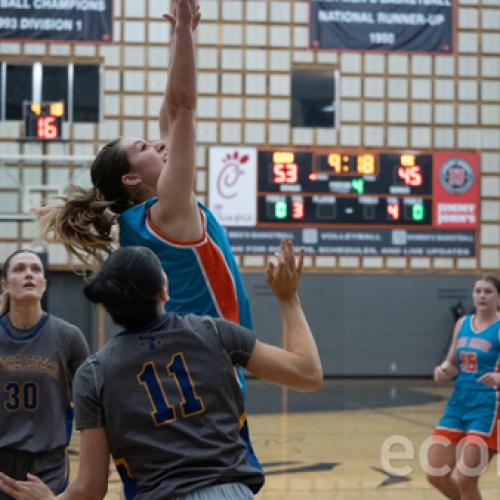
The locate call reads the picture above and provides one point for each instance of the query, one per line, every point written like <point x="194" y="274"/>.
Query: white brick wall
<point x="246" y="52"/>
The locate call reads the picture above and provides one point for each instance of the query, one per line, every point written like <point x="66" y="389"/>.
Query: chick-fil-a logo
<point x="228" y="177"/>
<point x="232" y="189"/>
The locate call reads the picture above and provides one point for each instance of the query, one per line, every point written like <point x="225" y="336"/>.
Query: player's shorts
<point x="477" y="418"/>
<point x="51" y="467"/>
<point x="228" y="491"/>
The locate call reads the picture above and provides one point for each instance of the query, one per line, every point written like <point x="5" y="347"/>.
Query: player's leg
<point x="441" y="460"/>
<point x="473" y="457"/>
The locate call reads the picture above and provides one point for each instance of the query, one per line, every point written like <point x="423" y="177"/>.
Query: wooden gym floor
<point x="327" y="445"/>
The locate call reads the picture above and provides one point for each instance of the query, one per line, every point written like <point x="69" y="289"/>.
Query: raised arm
<point x="176" y="211"/>
<point x="178" y="87"/>
<point x="297" y="365"/>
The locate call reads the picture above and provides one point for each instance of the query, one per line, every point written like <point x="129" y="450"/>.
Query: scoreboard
<point x="341" y="201"/>
<point x="345" y="188"/>
<point x="43" y="120"/>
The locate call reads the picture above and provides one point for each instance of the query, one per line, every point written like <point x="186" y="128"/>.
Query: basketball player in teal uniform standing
<point x="162" y="396"/>
<point x="39" y="354"/>
<point x="467" y="434"/>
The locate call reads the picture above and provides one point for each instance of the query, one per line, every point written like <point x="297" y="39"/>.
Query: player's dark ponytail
<point x="128" y="286"/>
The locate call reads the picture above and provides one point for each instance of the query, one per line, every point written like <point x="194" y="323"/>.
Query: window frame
<point x="336" y="95"/>
<point x="37" y="86"/>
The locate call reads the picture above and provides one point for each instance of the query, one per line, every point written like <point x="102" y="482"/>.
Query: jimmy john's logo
<point x="456" y="176"/>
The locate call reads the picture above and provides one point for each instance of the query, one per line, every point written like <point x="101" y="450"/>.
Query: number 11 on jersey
<point x="163" y="411"/>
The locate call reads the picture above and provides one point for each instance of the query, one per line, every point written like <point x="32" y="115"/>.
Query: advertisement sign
<point x="384" y="25"/>
<point x="456" y="190"/>
<point x="367" y="243"/>
<point x="233" y="185"/>
<point x="56" y="20"/>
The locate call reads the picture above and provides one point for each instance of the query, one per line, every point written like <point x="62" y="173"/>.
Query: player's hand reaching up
<point x="32" y="489"/>
<point x="283" y="278"/>
<point x="184" y="12"/>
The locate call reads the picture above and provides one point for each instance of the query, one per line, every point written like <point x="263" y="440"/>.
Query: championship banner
<point x="56" y="20"/>
<point x="383" y="25"/>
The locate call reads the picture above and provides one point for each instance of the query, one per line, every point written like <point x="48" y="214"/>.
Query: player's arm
<point x="298" y="364"/>
<point x="93" y="470"/>
<point x="449" y="367"/>
<point x="176" y="212"/>
<point x="78" y="350"/>
<point x="491" y="378"/>
<point x="174" y="89"/>
<point x="92" y="479"/>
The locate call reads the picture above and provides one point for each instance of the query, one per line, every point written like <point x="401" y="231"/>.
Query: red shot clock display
<point x="43" y="120"/>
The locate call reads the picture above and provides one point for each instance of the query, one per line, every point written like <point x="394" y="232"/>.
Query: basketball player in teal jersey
<point x="467" y="434"/>
<point x="39" y="354"/>
<point x="148" y="189"/>
<point x="161" y="395"/>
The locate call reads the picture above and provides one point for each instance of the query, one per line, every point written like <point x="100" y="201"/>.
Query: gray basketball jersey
<point x="171" y="405"/>
<point x="36" y="372"/>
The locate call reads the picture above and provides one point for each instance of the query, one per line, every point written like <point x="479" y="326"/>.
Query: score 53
<point x="285" y="170"/>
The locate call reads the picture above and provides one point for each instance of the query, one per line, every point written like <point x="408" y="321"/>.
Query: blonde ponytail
<point x="82" y="222"/>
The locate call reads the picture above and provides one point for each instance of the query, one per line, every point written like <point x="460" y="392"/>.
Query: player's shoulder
<point x="201" y="327"/>
<point x="63" y="325"/>
<point x="192" y="322"/>
<point x="464" y="320"/>
<point x="64" y="330"/>
<point x="139" y="209"/>
<point x="89" y="373"/>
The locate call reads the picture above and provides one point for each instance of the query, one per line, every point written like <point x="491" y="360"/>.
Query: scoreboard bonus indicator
<point x="319" y="188"/>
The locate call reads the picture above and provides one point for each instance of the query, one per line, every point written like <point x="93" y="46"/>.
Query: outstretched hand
<point x="283" y="278"/>
<point x="184" y="12"/>
<point x="32" y="489"/>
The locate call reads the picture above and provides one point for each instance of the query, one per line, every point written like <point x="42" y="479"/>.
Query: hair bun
<point x="105" y="290"/>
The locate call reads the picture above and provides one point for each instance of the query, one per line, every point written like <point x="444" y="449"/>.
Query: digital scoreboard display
<point x="345" y="188"/>
<point x="341" y="201"/>
<point x="43" y="120"/>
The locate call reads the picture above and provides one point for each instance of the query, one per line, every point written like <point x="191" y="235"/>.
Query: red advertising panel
<point x="455" y="184"/>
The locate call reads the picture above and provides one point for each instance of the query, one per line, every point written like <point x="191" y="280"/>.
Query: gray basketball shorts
<point x="229" y="491"/>
<point x="51" y="467"/>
